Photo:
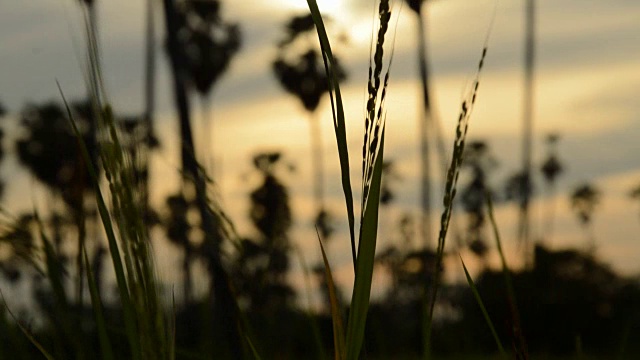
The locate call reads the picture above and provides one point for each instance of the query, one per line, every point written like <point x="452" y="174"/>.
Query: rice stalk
<point x="452" y="175"/>
<point x="521" y="345"/>
<point x="145" y="321"/>
<point x="121" y="280"/>
<point x="372" y="154"/>
<point x="337" y="110"/>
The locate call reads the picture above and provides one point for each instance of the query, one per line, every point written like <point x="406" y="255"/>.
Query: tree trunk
<point x="149" y="101"/>
<point x="425" y="129"/>
<point x="220" y="292"/>
<point x="525" y="186"/>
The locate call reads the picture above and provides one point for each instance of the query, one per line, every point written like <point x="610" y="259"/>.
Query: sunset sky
<point x="587" y="82"/>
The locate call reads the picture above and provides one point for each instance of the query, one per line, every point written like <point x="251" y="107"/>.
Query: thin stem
<point x="524" y="218"/>
<point x="425" y="127"/>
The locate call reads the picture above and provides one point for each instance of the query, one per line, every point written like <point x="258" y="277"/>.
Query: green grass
<point x="372" y="160"/>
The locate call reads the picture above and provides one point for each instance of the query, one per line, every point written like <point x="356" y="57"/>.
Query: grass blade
<point x="338" y="327"/>
<point x="372" y="173"/>
<point x="453" y="172"/>
<point x="496" y="234"/>
<point x="254" y="351"/>
<point x="55" y="274"/>
<point x="25" y="331"/>
<point x="476" y="294"/>
<point x="96" y="303"/>
<point x="365" y="262"/>
<point x="521" y="345"/>
<point x="339" y="126"/>
<point x="127" y="307"/>
<point x="317" y="336"/>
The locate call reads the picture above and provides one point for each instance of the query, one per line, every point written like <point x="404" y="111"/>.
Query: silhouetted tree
<point x="566" y="294"/>
<point x="584" y="200"/>
<point x="263" y="263"/>
<point x="20" y="247"/>
<point x="50" y="151"/>
<point x="389" y="176"/>
<point x="209" y="43"/>
<point x="525" y="178"/>
<point x="178" y="230"/>
<point x="479" y="161"/>
<point x="411" y="271"/>
<point x="138" y="142"/>
<point x="551" y="169"/>
<point x="635" y="193"/>
<point x="519" y="188"/>
<point x="303" y="75"/>
<point x="183" y="66"/>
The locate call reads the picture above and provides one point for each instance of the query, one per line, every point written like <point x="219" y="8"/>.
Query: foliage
<point x="583" y="201"/>
<point x="208" y="42"/>
<point x="49" y="149"/>
<point x="479" y="161"/>
<point x="263" y="263"/>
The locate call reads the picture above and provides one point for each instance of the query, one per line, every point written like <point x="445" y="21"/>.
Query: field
<point x="110" y="255"/>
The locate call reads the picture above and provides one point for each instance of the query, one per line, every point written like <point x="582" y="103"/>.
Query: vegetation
<point x="94" y="164"/>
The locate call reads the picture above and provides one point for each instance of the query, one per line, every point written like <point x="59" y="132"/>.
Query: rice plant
<point x="372" y="161"/>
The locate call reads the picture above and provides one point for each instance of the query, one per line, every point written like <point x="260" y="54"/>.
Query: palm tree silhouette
<point x="635" y="193"/>
<point x="303" y="75"/>
<point x="192" y="53"/>
<point x="551" y="169"/>
<point x="584" y="200"/>
<point x="50" y="151"/>
<point x="209" y="44"/>
<point x="263" y="263"/>
<point x="201" y="46"/>
<point x="479" y="161"/>
<point x="524" y="226"/>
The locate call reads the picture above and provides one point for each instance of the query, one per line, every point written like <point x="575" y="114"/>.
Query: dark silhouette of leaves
<point x="208" y="42"/>
<point x="263" y="263"/>
<point x="584" y="200"/>
<point x="303" y="75"/>
<point x="415" y="5"/>
<point x="50" y="150"/>
<point x="551" y="168"/>
<point x="479" y="161"/>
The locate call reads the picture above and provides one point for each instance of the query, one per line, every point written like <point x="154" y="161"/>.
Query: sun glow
<point x="332" y="7"/>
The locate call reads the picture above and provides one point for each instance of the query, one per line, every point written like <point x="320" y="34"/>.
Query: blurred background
<point x="553" y="138"/>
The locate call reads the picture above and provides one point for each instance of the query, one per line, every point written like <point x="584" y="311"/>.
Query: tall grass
<point x="372" y="160"/>
<point x="146" y="320"/>
<point x="145" y="317"/>
<point x="148" y="325"/>
<point x="453" y="173"/>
